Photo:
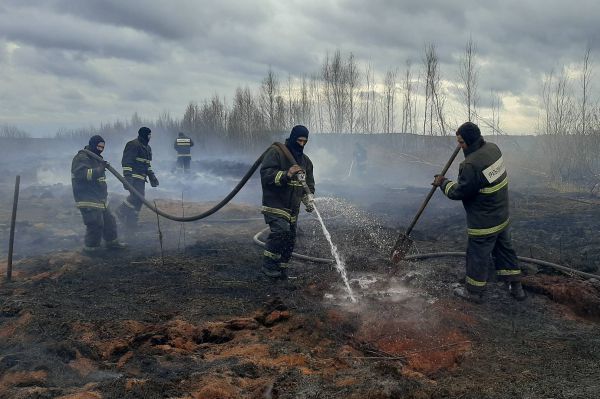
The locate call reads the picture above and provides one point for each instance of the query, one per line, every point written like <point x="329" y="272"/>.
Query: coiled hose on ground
<point x="245" y="179"/>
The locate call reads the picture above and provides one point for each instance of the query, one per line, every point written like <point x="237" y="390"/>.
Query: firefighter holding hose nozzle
<point x="482" y="187"/>
<point x="283" y="183"/>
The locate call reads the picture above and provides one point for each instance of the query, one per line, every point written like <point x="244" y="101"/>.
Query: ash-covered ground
<point x="196" y="319"/>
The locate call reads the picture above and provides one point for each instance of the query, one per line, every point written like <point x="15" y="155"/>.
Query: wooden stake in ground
<point x="12" y="229"/>
<point x="160" y="236"/>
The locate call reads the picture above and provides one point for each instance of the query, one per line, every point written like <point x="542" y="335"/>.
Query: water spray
<point x="309" y="203"/>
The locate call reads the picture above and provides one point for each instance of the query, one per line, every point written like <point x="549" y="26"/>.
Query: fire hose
<point x="191" y="218"/>
<point x="429" y="255"/>
<point x="245" y="179"/>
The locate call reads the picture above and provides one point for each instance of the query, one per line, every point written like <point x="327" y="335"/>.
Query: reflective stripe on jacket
<point x="88" y="181"/>
<point x="482" y="187"/>
<point x="136" y="161"/>
<point x="182" y="145"/>
<point x="281" y="195"/>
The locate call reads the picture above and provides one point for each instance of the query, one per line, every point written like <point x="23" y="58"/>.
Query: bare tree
<point x="269" y="90"/>
<point x="214" y="117"/>
<point x="368" y="111"/>
<point x="434" y="98"/>
<point x="408" y="106"/>
<point x="389" y="100"/>
<point x="335" y="81"/>
<point x="496" y="104"/>
<point x="353" y="81"/>
<point x="191" y="118"/>
<point x="468" y="76"/>
<point x="245" y="123"/>
<point x="586" y="74"/>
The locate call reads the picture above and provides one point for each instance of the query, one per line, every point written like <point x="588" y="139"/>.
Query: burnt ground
<point x="199" y="321"/>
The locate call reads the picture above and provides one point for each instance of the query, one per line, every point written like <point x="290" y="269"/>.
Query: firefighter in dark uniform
<point x="282" y="195"/>
<point x="137" y="157"/>
<point x="482" y="186"/>
<point x="183" y="145"/>
<point x="90" y="192"/>
<point x="360" y="159"/>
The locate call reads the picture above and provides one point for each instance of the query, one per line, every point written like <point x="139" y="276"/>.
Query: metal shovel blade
<point x="403" y="245"/>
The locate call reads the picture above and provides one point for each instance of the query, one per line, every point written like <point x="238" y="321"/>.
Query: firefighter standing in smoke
<point x="90" y="192"/>
<point x="282" y="194"/>
<point x="183" y="146"/>
<point x="137" y="157"/>
<point x="483" y="188"/>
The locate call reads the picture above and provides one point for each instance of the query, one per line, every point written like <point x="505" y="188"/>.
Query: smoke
<point x="51" y="174"/>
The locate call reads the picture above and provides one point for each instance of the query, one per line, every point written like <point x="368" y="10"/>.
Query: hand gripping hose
<point x="191" y="218"/>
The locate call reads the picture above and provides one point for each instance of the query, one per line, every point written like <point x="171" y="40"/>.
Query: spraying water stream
<point x="339" y="263"/>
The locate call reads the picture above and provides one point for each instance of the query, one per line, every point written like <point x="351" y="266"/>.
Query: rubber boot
<point x="517" y="291"/>
<point x="92" y="251"/>
<point x="464" y="293"/>
<point x="115" y="245"/>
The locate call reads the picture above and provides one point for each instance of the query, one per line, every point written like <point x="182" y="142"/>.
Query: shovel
<point x="404" y="242"/>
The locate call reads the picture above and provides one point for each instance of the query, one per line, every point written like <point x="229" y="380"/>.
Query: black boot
<point x="517" y="291"/>
<point x="464" y="293"/>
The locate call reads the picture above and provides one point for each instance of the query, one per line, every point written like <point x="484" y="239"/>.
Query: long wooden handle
<point x="420" y="211"/>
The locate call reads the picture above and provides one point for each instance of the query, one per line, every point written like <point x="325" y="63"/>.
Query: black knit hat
<point x="469" y="132"/>
<point x="93" y="144"/>
<point x="144" y="131"/>
<point x="298" y="131"/>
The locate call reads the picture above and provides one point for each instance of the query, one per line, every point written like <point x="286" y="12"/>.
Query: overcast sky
<point x="76" y="63"/>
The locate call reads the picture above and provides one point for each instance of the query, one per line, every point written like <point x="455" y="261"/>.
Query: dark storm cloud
<point x="62" y="32"/>
<point x="153" y="54"/>
<point x="61" y="64"/>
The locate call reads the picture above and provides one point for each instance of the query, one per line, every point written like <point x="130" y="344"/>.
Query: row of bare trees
<point x="570" y="124"/>
<point x="342" y="97"/>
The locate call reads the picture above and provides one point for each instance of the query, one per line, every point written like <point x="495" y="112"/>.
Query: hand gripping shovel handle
<point x="403" y="241"/>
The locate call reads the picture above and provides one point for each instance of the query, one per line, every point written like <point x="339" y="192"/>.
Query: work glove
<point x="438" y="180"/>
<point x="309" y="202"/>
<point x="153" y="181"/>
<point x="293" y="170"/>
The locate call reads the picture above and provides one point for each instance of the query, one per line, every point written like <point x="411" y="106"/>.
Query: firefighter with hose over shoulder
<point x="285" y="185"/>
<point x="88" y="178"/>
<point x="482" y="187"/>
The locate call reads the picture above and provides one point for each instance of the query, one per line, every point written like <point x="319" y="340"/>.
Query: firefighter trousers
<point x="130" y="208"/>
<point x="183" y="162"/>
<point x="496" y="248"/>
<point x="280" y="242"/>
<point x="99" y="223"/>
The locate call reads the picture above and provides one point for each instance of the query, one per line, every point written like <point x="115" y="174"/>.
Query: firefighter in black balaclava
<point x="89" y="190"/>
<point x="137" y="156"/>
<point x="282" y="194"/>
<point x="183" y="145"/>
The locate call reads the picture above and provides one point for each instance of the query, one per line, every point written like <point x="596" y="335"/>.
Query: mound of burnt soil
<point x="582" y="297"/>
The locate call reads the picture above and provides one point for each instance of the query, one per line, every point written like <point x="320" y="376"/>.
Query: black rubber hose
<point x="191" y="218"/>
<point x="521" y="258"/>
<point x="440" y="255"/>
<point x="258" y="242"/>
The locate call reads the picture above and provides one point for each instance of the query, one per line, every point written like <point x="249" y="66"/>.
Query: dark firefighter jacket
<point x="483" y="188"/>
<point x="88" y="181"/>
<point x="282" y="195"/>
<point x="182" y="146"/>
<point x="136" y="160"/>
